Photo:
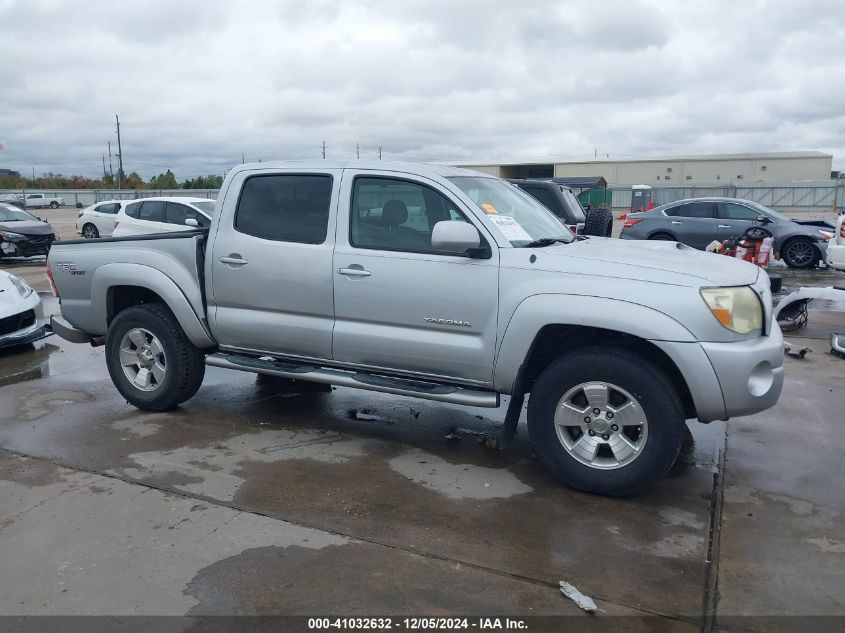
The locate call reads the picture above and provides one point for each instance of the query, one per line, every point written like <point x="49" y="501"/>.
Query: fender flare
<point x="538" y="311"/>
<point x="124" y="274"/>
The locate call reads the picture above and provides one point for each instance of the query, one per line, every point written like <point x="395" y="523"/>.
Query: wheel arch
<point x="545" y="326"/>
<point x="118" y="286"/>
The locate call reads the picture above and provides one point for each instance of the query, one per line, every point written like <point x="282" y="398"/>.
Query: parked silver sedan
<point x="698" y="221"/>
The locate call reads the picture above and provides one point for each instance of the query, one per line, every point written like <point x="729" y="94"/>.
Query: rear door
<point x="149" y="218"/>
<point x="399" y="304"/>
<point x="103" y="216"/>
<point x="270" y="286"/>
<point x="734" y="219"/>
<point x="694" y="223"/>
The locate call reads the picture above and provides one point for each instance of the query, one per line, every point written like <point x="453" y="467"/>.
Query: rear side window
<point x="285" y="208"/>
<point x="692" y="210"/>
<point x="152" y="211"/>
<point x="132" y="209"/>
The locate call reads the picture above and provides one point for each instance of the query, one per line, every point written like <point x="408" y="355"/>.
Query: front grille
<point x="36" y="245"/>
<point x="17" y="322"/>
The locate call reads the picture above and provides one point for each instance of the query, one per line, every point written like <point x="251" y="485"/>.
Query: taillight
<point x="50" y="279"/>
<point x="573" y="228"/>
<point x="116" y="222"/>
<point x="842" y="230"/>
<point x="629" y="222"/>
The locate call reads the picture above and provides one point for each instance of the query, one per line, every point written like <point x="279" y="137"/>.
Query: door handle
<point x="359" y="272"/>
<point x="233" y="259"/>
<point x="676" y="222"/>
<point x="724" y="226"/>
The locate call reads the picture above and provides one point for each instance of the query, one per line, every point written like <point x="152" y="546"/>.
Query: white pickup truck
<point x="37" y="200"/>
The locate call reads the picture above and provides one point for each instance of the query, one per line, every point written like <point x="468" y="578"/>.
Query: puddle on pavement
<point x="36" y="404"/>
<point x="30" y="472"/>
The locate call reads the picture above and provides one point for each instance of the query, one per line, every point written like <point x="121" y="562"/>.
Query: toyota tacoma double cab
<point x="440" y="283"/>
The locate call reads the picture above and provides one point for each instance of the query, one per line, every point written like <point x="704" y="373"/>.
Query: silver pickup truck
<point x="440" y="283"/>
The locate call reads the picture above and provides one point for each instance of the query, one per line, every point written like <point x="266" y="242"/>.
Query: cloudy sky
<point x="199" y="83"/>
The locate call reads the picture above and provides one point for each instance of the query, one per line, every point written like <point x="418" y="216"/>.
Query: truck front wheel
<point x="605" y="420"/>
<point x="54" y="205"/>
<point x="150" y="360"/>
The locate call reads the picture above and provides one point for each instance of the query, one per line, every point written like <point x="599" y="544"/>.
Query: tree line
<point x="167" y="180"/>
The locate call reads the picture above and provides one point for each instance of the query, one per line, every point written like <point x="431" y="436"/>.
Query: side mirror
<point x="762" y="219"/>
<point x="191" y="222"/>
<point x="451" y="236"/>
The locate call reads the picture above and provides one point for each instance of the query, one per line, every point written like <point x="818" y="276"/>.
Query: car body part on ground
<point x="560" y="200"/>
<point x="358" y="274"/>
<point x="21" y="313"/>
<point x="698" y="221"/>
<point x="835" y="257"/>
<point x="791" y="311"/>
<point x="162" y="215"/>
<point x="584" y="602"/>
<point x="837" y="344"/>
<point x="22" y="234"/>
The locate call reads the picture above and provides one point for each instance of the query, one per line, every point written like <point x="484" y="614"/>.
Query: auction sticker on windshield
<point x="510" y="228"/>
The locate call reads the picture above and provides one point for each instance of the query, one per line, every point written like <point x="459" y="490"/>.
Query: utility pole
<point x="33" y="174"/>
<point x="324" y="150"/>
<point x="111" y="171"/>
<point x="104" y="165"/>
<point x="119" y="155"/>
<point x="243" y="160"/>
<point x="379" y="152"/>
<point x="357" y="150"/>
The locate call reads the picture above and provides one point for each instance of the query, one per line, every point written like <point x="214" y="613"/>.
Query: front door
<point x="399" y="304"/>
<point x="271" y="264"/>
<point x="735" y="219"/>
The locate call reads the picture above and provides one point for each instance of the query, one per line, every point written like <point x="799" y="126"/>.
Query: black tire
<point x="185" y="364"/>
<point x="92" y="231"/>
<point x="54" y="205"/>
<point x="800" y="253"/>
<point x="649" y="386"/>
<point x="599" y="223"/>
<point x="775" y="282"/>
<point x="663" y="237"/>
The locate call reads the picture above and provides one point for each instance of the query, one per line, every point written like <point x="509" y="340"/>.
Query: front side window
<point x="732" y="211"/>
<point x="397" y="215"/>
<point x="109" y="207"/>
<point x="692" y="210"/>
<point x="285" y="208"/>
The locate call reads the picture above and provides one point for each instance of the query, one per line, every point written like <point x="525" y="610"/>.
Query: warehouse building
<point x="714" y="169"/>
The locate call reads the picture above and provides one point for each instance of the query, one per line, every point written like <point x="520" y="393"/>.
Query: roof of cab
<point x="419" y="169"/>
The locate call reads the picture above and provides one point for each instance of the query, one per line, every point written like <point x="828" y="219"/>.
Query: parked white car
<point x="97" y="220"/>
<point x="21" y="312"/>
<point x="162" y="215"/>
<point x="37" y="200"/>
<point x="836" y="246"/>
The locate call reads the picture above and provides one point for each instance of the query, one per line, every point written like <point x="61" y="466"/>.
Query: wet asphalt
<point x="266" y="497"/>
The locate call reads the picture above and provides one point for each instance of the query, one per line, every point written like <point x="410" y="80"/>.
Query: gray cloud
<point x="199" y="83"/>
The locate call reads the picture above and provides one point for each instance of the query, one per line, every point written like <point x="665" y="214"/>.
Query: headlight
<point x="23" y="288"/>
<point x="737" y="308"/>
<point x="12" y="237"/>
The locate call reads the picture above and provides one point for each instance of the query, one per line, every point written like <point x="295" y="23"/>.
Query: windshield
<point x="775" y="215"/>
<point x="12" y="214"/>
<point x="519" y="217"/>
<point x="206" y="206"/>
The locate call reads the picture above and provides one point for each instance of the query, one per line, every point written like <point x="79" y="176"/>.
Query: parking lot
<point x="262" y="497"/>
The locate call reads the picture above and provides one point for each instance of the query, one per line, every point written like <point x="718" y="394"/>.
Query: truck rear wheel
<point x="605" y="420"/>
<point x="54" y="205"/>
<point x="150" y="360"/>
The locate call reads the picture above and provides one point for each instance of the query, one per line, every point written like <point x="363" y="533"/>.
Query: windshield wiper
<point x="545" y="241"/>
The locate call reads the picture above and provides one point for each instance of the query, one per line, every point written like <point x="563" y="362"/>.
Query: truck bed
<point x="87" y="272"/>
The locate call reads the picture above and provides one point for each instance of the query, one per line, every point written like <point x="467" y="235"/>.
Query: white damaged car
<point x="21" y="312"/>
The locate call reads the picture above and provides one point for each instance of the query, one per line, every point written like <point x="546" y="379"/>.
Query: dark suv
<point x="560" y="200"/>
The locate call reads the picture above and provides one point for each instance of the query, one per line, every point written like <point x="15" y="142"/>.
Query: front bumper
<point x="28" y="246"/>
<point x="750" y="372"/>
<point x="835" y="257"/>
<point x="30" y="333"/>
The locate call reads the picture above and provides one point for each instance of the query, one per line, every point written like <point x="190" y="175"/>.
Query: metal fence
<point x="815" y="198"/>
<point x="85" y="197"/>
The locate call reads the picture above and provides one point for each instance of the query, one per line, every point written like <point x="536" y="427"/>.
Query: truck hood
<point x="658" y="261"/>
<point x="27" y="227"/>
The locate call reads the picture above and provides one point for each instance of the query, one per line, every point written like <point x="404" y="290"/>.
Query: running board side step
<point x="357" y="380"/>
